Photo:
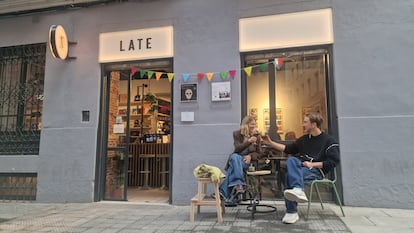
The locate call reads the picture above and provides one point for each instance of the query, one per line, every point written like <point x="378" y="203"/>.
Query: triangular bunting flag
<point x="143" y="73"/>
<point x="248" y="71"/>
<point x="200" y="76"/>
<point x="263" y="67"/>
<point x="158" y="75"/>
<point x="232" y="73"/>
<point x="209" y="76"/>
<point x="170" y="76"/>
<point x="223" y="75"/>
<point x="279" y="63"/>
<point x="133" y="71"/>
<point x="186" y="76"/>
<point x="150" y="73"/>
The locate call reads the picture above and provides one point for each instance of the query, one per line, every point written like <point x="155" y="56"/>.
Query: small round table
<point x="256" y="194"/>
<point x="276" y="160"/>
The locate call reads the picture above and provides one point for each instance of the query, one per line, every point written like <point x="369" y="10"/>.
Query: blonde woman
<point x="247" y="147"/>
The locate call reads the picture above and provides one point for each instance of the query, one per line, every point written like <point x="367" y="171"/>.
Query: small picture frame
<point x="134" y="110"/>
<point x="220" y="91"/>
<point x="189" y="92"/>
<point x="122" y="110"/>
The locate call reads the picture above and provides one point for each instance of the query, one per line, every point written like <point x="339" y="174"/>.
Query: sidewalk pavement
<point x="127" y="217"/>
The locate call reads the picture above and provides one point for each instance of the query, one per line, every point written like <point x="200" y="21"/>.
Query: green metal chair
<point x="325" y="181"/>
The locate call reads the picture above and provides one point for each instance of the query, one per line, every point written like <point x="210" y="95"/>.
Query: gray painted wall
<point x="204" y="43"/>
<point x="371" y="72"/>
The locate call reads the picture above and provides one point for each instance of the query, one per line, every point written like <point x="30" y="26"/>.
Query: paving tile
<point x="125" y="218"/>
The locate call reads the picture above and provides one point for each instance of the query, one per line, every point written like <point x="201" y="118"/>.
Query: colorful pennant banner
<point x="278" y="63"/>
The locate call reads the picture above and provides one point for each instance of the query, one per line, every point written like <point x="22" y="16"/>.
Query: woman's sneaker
<point x="290" y="218"/>
<point x="229" y="203"/>
<point x="239" y="188"/>
<point x="295" y="194"/>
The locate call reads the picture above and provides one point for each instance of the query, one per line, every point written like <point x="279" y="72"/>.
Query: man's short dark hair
<point x="315" y="118"/>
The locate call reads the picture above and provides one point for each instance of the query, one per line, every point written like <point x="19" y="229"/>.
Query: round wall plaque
<point x="58" y="42"/>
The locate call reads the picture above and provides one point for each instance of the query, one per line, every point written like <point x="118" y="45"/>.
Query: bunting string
<point x="278" y="63"/>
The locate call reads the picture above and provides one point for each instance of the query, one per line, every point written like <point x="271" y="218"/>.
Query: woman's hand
<point x="247" y="159"/>
<point x="252" y="139"/>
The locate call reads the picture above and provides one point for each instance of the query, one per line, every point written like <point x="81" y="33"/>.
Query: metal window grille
<point x="18" y="186"/>
<point x="22" y="71"/>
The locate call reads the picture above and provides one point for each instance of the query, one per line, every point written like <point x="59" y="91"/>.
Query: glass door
<point x="116" y="159"/>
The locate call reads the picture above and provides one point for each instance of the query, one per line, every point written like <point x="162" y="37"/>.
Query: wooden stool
<point x="164" y="170"/>
<point x="201" y="198"/>
<point x="146" y="168"/>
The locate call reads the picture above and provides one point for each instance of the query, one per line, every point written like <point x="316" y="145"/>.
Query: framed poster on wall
<point x="279" y="120"/>
<point x="189" y="92"/>
<point x="220" y="91"/>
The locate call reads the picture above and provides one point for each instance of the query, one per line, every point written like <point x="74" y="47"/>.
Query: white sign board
<point x="119" y="128"/>
<point x="286" y="30"/>
<point x="138" y="44"/>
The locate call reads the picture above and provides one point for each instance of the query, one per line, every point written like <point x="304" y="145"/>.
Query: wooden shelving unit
<point x="152" y="118"/>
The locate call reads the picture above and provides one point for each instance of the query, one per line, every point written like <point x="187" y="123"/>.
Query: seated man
<point x="318" y="153"/>
<point x="247" y="147"/>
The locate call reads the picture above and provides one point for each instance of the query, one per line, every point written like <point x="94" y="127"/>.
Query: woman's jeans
<point x="296" y="177"/>
<point x="235" y="174"/>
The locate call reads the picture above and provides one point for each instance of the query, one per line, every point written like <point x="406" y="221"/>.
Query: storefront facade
<point x="358" y="64"/>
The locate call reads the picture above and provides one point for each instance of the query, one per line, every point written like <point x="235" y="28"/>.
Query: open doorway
<point x="136" y="132"/>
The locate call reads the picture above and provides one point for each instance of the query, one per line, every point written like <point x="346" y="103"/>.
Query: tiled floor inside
<point x="148" y="195"/>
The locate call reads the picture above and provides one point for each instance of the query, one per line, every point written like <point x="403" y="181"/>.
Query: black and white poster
<point x="220" y="91"/>
<point x="189" y="92"/>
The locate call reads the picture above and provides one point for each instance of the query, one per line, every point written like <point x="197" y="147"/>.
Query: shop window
<point x="22" y="70"/>
<point x="18" y="186"/>
<point x="298" y="87"/>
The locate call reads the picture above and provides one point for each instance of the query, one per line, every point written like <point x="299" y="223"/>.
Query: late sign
<point x="137" y="44"/>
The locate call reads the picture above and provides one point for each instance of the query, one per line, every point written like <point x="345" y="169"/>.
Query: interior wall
<point x="258" y="97"/>
<point x="300" y="86"/>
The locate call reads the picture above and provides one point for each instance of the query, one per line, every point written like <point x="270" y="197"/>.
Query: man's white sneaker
<point x="295" y="194"/>
<point x="290" y="218"/>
